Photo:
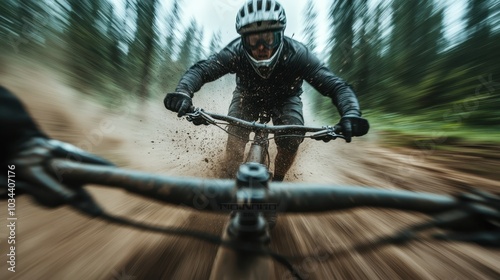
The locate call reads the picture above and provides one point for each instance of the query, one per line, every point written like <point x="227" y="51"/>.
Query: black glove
<point x="353" y="125"/>
<point x="49" y="187"/>
<point x="178" y="102"/>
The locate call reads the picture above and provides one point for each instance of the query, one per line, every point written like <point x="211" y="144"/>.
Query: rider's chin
<point x="263" y="56"/>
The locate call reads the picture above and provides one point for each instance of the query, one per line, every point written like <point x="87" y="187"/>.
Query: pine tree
<point x="117" y="57"/>
<point x="172" y="23"/>
<point x="416" y="38"/>
<point x="310" y="27"/>
<point x="32" y="19"/>
<point x="169" y="69"/>
<point x="140" y="59"/>
<point x="215" y="43"/>
<point x="376" y="70"/>
<point x="198" y="49"/>
<point x="342" y="53"/>
<point x="148" y="34"/>
<point x="188" y="45"/>
<point x="477" y="15"/>
<point x="8" y="23"/>
<point x="86" y="38"/>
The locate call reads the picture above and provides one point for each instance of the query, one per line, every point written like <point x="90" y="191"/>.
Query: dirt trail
<point x="61" y="244"/>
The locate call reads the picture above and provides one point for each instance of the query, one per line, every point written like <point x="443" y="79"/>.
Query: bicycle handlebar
<point x="286" y="197"/>
<point x="199" y="116"/>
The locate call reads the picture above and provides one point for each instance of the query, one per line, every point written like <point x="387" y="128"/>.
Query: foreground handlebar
<point x="212" y="195"/>
<point x="190" y="192"/>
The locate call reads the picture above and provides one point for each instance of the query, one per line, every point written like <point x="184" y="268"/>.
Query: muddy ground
<point x="62" y="244"/>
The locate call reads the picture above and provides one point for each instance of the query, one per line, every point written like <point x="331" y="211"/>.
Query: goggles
<point x="269" y="39"/>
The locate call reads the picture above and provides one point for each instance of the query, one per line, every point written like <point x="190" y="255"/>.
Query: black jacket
<point x="295" y="65"/>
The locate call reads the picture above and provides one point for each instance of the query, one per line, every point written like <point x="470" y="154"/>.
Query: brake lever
<point x="198" y="117"/>
<point x="328" y="134"/>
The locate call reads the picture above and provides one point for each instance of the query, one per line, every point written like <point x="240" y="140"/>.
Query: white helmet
<point x="260" y="16"/>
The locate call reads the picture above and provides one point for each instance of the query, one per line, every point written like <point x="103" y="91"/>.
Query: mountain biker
<point x="270" y="69"/>
<point x="25" y="150"/>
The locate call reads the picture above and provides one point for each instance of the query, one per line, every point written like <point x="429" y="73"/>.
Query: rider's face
<point x="262" y="53"/>
<point x="262" y="44"/>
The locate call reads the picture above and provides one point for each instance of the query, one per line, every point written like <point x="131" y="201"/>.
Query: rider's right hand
<point x="178" y="102"/>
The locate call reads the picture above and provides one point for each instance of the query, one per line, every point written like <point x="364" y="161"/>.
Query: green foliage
<point x="412" y="72"/>
<point x="215" y="43"/>
<point x="189" y="45"/>
<point x="88" y="45"/>
<point x="416" y="39"/>
<point x="144" y="45"/>
<point x="310" y="27"/>
<point x="9" y="25"/>
<point x="477" y="19"/>
<point x="342" y="55"/>
<point x="100" y="52"/>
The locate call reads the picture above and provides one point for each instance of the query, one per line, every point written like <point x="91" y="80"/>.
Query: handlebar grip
<point x="302" y="198"/>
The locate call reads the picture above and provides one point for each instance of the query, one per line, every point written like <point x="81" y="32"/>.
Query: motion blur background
<point x="94" y="73"/>
<point x="417" y="66"/>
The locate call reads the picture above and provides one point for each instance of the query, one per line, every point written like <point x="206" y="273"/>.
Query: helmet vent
<point x="270" y="12"/>
<point x="259" y="5"/>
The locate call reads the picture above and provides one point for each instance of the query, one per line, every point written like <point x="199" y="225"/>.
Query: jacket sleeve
<point x="16" y="124"/>
<point x="328" y="84"/>
<point x="208" y="70"/>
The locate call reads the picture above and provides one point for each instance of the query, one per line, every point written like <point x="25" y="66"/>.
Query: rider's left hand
<point x="178" y="102"/>
<point x="353" y="125"/>
<point x="34" y="175"/>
